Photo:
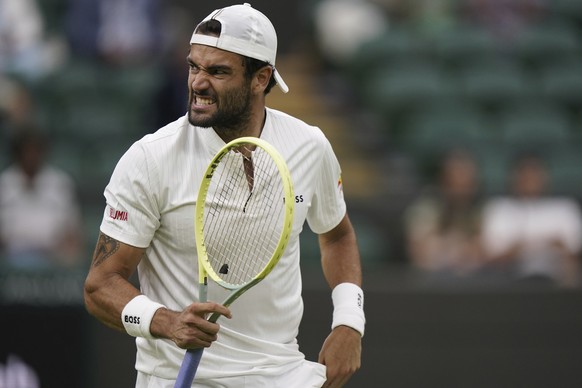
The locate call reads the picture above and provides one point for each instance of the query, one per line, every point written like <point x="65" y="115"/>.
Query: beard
<point x="232" y="114"/>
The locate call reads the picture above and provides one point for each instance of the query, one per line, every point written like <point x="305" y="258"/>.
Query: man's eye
<point x="218" y="72"/>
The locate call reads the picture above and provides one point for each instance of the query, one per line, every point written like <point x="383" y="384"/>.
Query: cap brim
<point x="282" y="85"/>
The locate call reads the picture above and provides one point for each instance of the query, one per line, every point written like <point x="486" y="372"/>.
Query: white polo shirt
<point x="151" y="200"/>
<point x="36" y="218"/>
<point x="535" y="224"/>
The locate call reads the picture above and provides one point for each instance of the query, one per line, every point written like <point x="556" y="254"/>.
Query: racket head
<point x="244" y="214"/>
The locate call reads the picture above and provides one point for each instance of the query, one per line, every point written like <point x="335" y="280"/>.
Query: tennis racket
<point x="244" y="217"/>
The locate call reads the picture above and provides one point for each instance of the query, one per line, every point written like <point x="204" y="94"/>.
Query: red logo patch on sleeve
<point x="117" y="214"/>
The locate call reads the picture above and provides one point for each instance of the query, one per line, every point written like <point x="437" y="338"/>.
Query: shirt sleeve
<point x="328" y="206"/>
<point x="132" y="215"/>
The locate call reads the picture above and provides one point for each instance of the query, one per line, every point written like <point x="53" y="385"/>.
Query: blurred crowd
<point x="528" y="233"/>
<point x="80" y="80"/>
<point x="43" y="208"/>
<point x="474" y="108"/>
<point x="342" y="25"/>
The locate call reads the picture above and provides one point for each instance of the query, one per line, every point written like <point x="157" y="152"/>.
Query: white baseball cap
<point x="244" y="31"/>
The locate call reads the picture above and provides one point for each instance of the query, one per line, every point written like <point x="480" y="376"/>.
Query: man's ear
<point x="261" y="79"/>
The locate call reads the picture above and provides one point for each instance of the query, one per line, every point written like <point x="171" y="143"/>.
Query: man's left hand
<point x="341" y="354"/>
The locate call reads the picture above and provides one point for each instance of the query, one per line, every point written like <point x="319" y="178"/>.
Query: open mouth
<point x="198" y="100"/>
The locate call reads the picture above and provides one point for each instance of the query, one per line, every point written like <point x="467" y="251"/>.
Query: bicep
<point x="341" y="231"/>
<point x="114" y="258"/>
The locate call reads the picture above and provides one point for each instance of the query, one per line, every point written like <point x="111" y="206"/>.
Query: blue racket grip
<point x="188" y="368"/>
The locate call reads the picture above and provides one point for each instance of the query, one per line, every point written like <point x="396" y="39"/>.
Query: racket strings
<point x="243" y="215"/>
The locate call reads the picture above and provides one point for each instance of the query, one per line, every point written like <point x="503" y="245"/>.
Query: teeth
<point x="203" y="101"/>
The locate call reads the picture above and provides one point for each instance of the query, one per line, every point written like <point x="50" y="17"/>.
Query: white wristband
<point x="137" y="316"/>
<point x="348" y="307"/>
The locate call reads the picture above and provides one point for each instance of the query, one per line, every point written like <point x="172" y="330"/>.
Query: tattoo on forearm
<point x="106" y="246"/>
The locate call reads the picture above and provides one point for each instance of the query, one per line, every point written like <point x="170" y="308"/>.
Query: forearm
<point x="341" y="351"/>
<point x="340" y="257"/>
<point x="107" y="287"/>
<point x="106" y="297"/>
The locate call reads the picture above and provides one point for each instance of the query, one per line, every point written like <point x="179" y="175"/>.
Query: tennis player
<point x="148" y="225"/>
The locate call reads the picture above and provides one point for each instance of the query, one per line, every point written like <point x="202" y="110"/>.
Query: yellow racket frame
<point x="205" y="269"/>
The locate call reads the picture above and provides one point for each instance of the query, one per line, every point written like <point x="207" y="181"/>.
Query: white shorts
<point x="307" y="374"/>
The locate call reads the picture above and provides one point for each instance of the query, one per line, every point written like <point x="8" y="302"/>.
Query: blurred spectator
<point x="443" y="225"/>
<point x="15" y="103"/>
<point x="40" y="221"/>
<point x="116" y="31"/>
<point x="530" y="231"/>
<point x="25" y="50"/>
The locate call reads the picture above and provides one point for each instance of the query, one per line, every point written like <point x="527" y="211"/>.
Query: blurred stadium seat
<point x="444" y="124"/>
<point x="535" y="125"/>
<point x="565" y="172"/>
<point x="465" y="43"/>
<point x="373" y="245"/>
<point x="494" y="83"/>
<point x="570" y="10"/>
<point x="54" y="12"/>
<point x="94" y="113"/>
<point x="494" y="162"/>
<point x="561" y="81"/>
<point x="393" y="48"/>
<point x="546" y="41"/>
<point x="396" y="91"/>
